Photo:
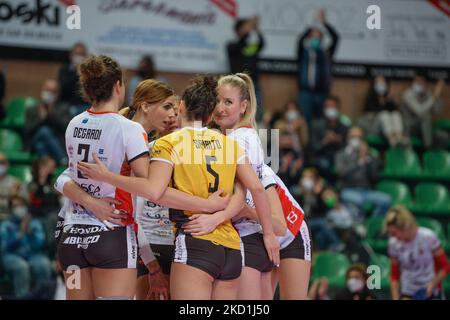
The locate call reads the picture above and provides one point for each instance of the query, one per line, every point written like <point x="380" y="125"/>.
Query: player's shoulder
<point x="426" y="233"/>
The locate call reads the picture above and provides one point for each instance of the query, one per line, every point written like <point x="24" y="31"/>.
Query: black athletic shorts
<point x="300" y="247"/>
<point x="86" y="246"/>
<point x="254" y="253"/>
<point x="164" y="254"/>
<point x="220" y="262"/>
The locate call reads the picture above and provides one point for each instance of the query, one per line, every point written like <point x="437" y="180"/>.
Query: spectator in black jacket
<point x="68" y="78"/>
<point x="243" y="53"/>
<point x="46" y="124"/>
<point x="314" y="58"/>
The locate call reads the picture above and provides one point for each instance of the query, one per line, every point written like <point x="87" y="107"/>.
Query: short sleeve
<point x="268" y="177"/>
<point x="433" y="241"/>
<point x="392" y="251"/>
<point x="136" y="143"/>
<point x="163" y="151"/>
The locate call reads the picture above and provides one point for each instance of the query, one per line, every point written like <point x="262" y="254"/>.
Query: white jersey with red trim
<point x="416" y="260"/>
<point x="249" y="140"/>
<point x="293" y="212"/>
<point x="153" y="219"/>
<point x="117" y="141"/>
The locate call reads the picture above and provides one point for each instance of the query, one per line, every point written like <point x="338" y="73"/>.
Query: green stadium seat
<point x="447" y="247"/>
<point x="431" y="198"/>
<point x="443" y="124"/>
<point x="16" y="111"/>
<point x="402" y="163"/>
<point x="11" y="145"/>
<point x="331" y="265"/>
<point x="384" y="263"/>
<point x="376" y="141"/>
<point x="398" y="191"/>
<point x="436" y="164"/>
<point x="446" y="286"/>
<point x="375" y="236"/>
<point x="21" y="172"/>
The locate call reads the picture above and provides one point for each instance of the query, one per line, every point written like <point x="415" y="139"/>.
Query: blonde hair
<point x="400" y="218"/>
<point x="244" y="83"/>
<point x="151" y="91"/>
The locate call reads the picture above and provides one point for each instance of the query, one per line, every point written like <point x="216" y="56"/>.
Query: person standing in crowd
<point x="9" y="186"/>
<point x="22" y="249"/>
<point x="328" y="137"/>
<point x="419" y="103"/>
<point x="418" y="261"/>
<point x="357" y="172"/>
<point x="381" y="108"/>
<point x="356" y="284"/>
<point x="314" y="57"/>
<point x="46" y="124"/>
<point x="243" y="54"/>
<point x="68" y="79"/>
<point x="146" y="70"/>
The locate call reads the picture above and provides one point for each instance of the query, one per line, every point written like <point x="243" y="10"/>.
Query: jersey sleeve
<point x="392" y="252"/>
<point x="241" y="155"/>
<point x="268" y="179"/>
<point x="163" y="151"/>
<point x="433" y="241"/>
<point x="136" y="143"/>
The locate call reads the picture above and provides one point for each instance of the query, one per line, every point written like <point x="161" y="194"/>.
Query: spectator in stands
<point x="319" y="290"/>
<point x="22" y="240"/>
<point x="243" y="54"/>
<point x="357" y="171"/>
<point x="46" y="124"/>
<point x="419" y="103"/>
<point x="2" y="95"/>
<point x="356" y="284"/>
<point x="315" y="56"/>
<point x="9" y="186"/>
<point x="44" y="200"/>
<point x="310" y="196"/>
<point x="291" y="160"/>
<point x="381" y="110"/>
<point x="68" y="79"/>
<point x="418" y="261"/>
<point x="146" y="70"/>
<point x="328" y="137"/>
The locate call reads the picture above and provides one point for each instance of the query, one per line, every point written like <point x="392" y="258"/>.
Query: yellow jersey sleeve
<point x="163" y="151"/>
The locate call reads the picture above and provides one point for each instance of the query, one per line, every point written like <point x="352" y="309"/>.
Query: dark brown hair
<point x="98" y="75"/>
<point x="200" y="98"/>
<point x="358" y="267"/>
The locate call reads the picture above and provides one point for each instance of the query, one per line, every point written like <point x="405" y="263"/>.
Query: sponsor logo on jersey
<point x="84" y="133"/>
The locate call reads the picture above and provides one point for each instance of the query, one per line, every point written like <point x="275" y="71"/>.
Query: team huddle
<point x="170" y="198"/>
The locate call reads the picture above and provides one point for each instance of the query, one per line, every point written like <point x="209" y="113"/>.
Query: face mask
<point x="315" y="43"/>
<point x="417" y="88"/>
<point x="48" y="97"/>
<point x="330" y="202"/>
<point x="19" y="212"/>
<point x="331" y="113"/>
<point x="380" y="88"/>
<point x="3" y="169"/>
<point x="355" y="285"/>
<point x="77" y="59"/>
<point x="354" y="143"/>
<point x="292" y="115"/>
<point x="308" y="184"/>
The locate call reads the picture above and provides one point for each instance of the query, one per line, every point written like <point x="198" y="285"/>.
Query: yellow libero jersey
<point x="204" y="161"/>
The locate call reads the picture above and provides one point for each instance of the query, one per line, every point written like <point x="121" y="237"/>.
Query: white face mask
<point x="418" y="88"/>
<point x="380" y="88"/>
<point x="20" y="212"/>
<point x="77" y="59"/>
<point x="292" y="115"/>
<point x="355" y="285"/>
<point x="354" y="143"/>
<point x="48" y="97"/>
<point x="331" y="113"/>
<point x="308" y="184"/>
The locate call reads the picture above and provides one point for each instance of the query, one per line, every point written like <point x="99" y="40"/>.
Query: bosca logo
<point x="38" y="11"/>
